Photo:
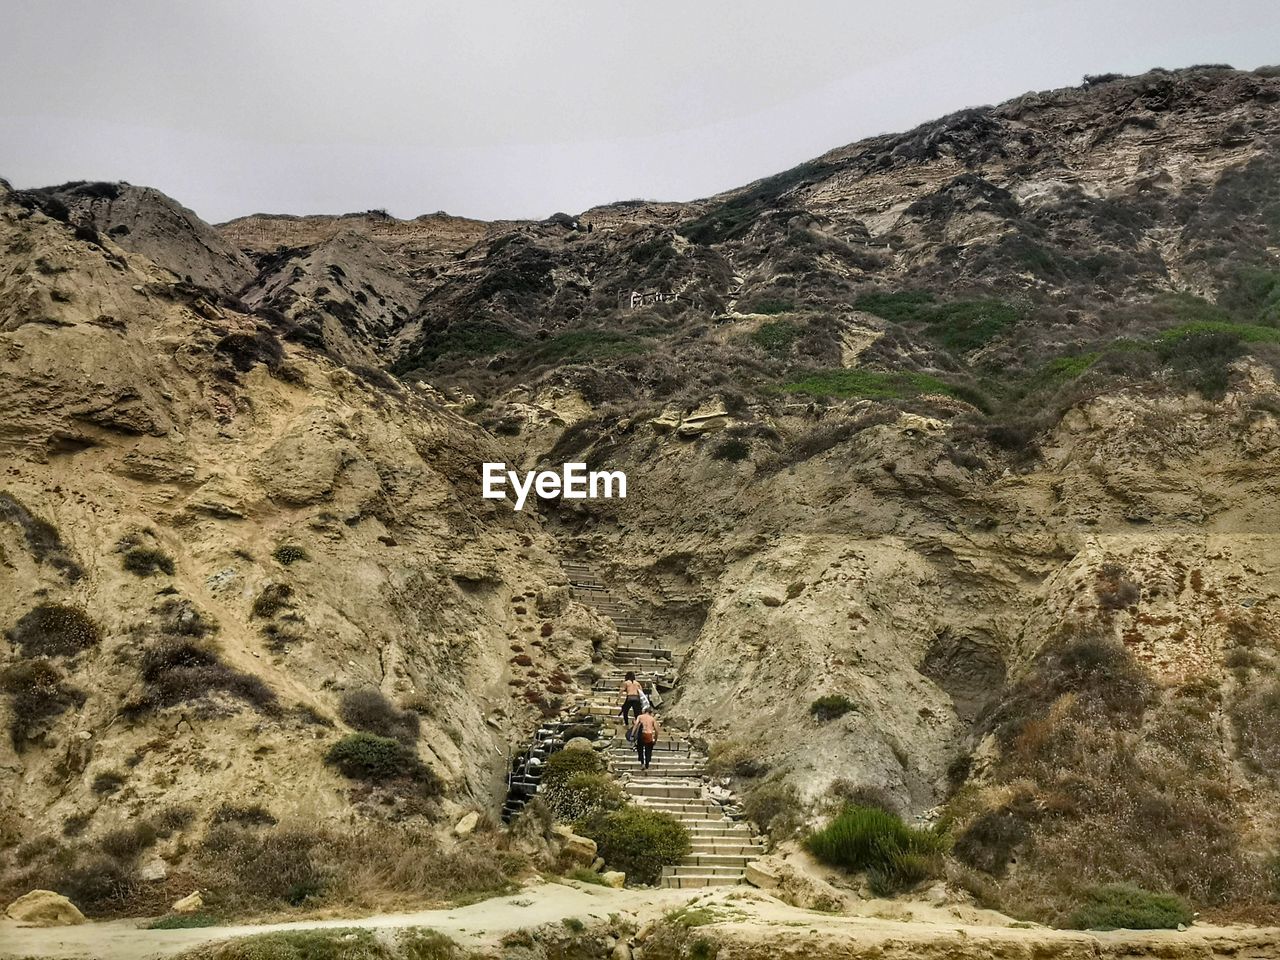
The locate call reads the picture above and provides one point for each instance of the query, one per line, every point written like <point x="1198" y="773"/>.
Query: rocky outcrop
<point x="44" y="908"/>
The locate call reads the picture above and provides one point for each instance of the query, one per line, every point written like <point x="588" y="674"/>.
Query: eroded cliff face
<point x="281" y="530"/>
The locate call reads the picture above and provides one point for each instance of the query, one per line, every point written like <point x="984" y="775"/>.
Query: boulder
<point x="580" y="849"/>
<point x="579" y="743"/>
<point x="614" y="878"/>
<point x="467" y="825"/>
<point x="794" y="886"/>
<point x="154" y="869"/>
<point x="44" y="908"/>
<point x="191" y="903"/>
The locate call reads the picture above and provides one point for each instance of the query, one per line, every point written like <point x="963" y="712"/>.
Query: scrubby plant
<point x="127" y="842"/>
<point x="288" y="553"/>
<point x="1256" y="717"/>
<point x="895" y="854"/>
<point x="775" y="337"/>
<point x="108" y="781"/>
<point x="638" y="841"/>
<point x="1123" y="907"/>
<point x="563" y="764"/>
<point x="831" y="707"/>
<point x="180" y="669"/>
<point x="989" y="840"/>
<point x="729" y="758"/>
<point x="368" y="709"/>
<point x="774" y="807"/>
<point x="54" y="630"/>
<point x="273" y="598"/>
<point x="732" y="449"/>
<point x="37" y="693"/>
<point x="375" y="759"/>
<point x="582" y="794"/>
<point x="245" y="814"/>
<point x="146" y="561"/>
<point x="42" y="537"/>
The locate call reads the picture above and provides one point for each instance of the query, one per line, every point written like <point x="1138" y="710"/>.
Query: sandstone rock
<point x="155" y="869"/>
<point x="621" y="951"/>
<point x="44" y="908"/>
<point x="467" y="825"/>
<point x="614" y="878"/>
<point x="793" y="885"/>
<point x="580" y="849"/>
<point x="579" y="743"/>
<point x="597" y="864"/>
<point x="191" y="903"/>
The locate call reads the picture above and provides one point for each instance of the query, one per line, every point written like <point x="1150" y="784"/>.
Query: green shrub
<point x="366" y="756"/>
<point x="867" y="838"/>
<point x="581" y="794"/>
<point x="184" y="921"/>
<point x="54" y="630"/>
<point x="775" y="337"/>
<point x="563" y="764"/>
<point x="351" y="944"/>
<point x="869" y="384"/>
<point x="288" y="553"/>
<point x="638" y="841"/>
<point x="960" y="325"/>
<point x="831" y="707"/>
<point x="146" y="561"/>
<point x="1124" y="907"/>
<point x="369" y="710"/>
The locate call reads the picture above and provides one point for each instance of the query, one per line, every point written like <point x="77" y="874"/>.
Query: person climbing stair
<point x="645" y="734"/>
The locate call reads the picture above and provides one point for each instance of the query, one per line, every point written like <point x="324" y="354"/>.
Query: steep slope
<point x="343" y="296"/>
<point x="219" y="554"/>
<point x="145" y="221"/>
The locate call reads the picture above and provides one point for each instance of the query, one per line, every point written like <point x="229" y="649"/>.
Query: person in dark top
<point x="630" y="691"/>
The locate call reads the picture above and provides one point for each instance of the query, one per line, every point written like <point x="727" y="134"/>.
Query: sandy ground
<point x="474" y="924"/>
<point x="756" y="924"/>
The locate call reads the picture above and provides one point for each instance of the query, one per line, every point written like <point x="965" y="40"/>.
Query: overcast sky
<point x="520" y="108"/>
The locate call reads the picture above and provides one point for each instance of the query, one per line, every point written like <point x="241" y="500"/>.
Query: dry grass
<point x="1104" y="780"/>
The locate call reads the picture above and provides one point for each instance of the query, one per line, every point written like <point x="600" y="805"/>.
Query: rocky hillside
<point x="951" y="462"/>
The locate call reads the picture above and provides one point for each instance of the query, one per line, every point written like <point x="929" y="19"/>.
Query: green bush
<point x="352" y="944"/>
<point x="366" y="756"/>
<point x="54" y="630"/>
<point x="869" y="384"/>
<point x="831" y="707"/>
<point x="1123" y="907"/>
<point x="867" y="838"/>
<point x="582" y="794"/>
<point x="638" y="841"/>
<point x="562" y="765"/>
<point x="288" y="553"/>
<point x="145" y="561"/>
<point x="775" y="337"/>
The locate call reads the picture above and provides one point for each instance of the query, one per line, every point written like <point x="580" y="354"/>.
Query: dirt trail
<point x="475" y="924"/>
<point x="747" y="923"/>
